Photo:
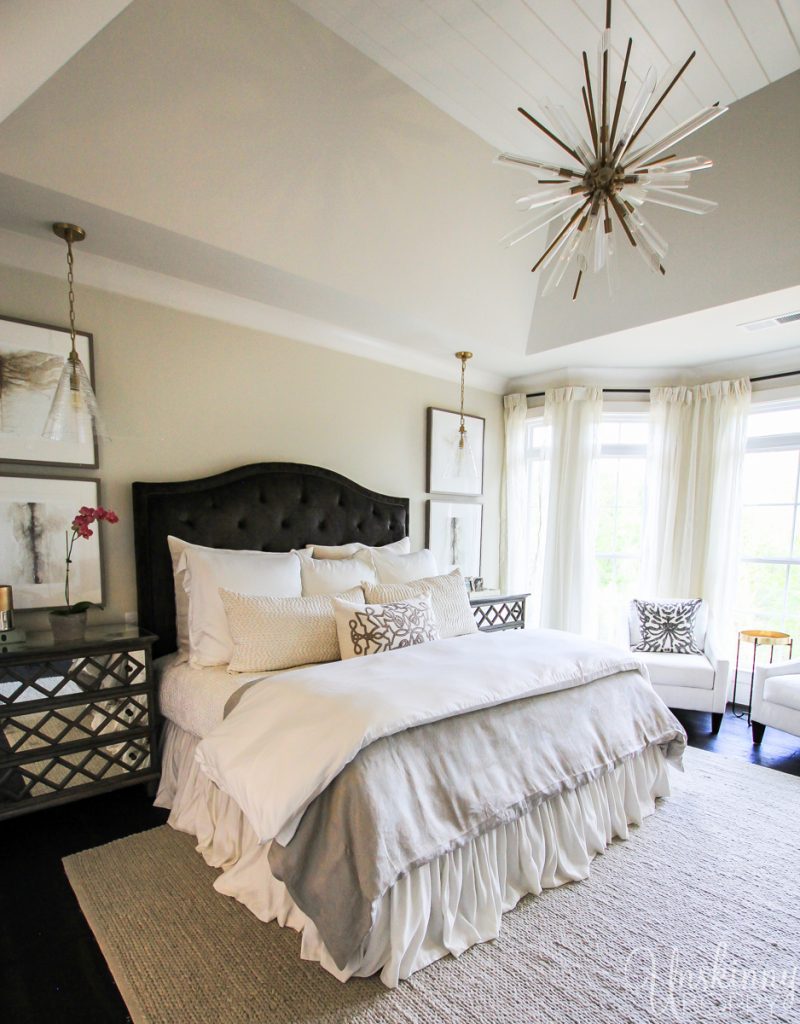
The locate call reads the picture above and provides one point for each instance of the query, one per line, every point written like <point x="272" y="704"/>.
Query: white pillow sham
<point x="176" y="549"/>
<point x="399" y="547"/>
<point x="374" y="628"/>
<point x="332" y="575"/>
<point x="449" y="598"/>
<point x="271" y="633"/>
<point x="206" y="570"/>
<point x="393" y="568"/>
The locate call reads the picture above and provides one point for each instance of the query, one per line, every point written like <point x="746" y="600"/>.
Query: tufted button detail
<point x="241" y="524"/>
<point x="322" y="525"/>
<point x="284" y="524"/>
<point x="262" y="499"/>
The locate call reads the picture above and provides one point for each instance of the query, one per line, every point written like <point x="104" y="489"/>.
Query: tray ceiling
<point x="478" y="60"/>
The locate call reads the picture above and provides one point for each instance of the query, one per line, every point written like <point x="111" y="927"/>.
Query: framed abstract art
<point x="31" y="358"/>
<point x="35" y="513"/>
<point x="454" y="535"/>
<point x="447" y="474"/>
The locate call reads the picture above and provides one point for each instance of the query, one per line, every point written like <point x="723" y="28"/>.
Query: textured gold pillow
<point x="449" y="598"/>
<point x="271" y="633"/>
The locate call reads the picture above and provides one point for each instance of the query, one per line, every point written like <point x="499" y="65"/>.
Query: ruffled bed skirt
<point x="443" y="907"/>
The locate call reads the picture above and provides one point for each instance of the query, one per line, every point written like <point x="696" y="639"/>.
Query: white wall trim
<point x="24" y="252"/>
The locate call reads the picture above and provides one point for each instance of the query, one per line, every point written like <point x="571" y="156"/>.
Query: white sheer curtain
<point x="514" y="558"/>
<point x="697" y="445"/>
<point x="570" y="570"/>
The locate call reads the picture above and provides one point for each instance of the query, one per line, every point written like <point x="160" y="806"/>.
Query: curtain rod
<point x="646" y="391"/>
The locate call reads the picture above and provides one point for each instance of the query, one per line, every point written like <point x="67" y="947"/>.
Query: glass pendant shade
<point x="462" y="464"/>
<point x="74" y="415"/>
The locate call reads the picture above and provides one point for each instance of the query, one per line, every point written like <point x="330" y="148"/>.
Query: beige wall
<point x="185" y="396"/>
<point x="250" y="128"/>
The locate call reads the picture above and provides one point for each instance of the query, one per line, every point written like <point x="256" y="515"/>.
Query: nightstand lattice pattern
<point x="67" y="723"/>
<point x="504" y="613"/>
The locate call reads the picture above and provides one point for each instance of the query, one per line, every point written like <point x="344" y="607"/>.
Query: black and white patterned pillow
<point x="373" y="628"/>
<point x="668" y="627"/>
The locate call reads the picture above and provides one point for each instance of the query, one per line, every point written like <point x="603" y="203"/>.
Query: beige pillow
<point x="393" y="568"/>
<point x="449" y="598"/>
<point x="332" y="575"/>
<point x="374" y="628"/>
<point x="272" y="633"/>
<point x="399" y="547"/>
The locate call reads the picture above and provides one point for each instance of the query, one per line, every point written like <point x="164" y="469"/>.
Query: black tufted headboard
<point x="269" y="506"/>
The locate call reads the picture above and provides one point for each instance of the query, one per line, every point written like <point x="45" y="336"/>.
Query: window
<point x="768" y="590"/>
<point x="619" y="491"/>
<point x="618" y="507"/>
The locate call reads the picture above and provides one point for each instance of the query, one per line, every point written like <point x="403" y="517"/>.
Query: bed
<point x="443" y="786"/>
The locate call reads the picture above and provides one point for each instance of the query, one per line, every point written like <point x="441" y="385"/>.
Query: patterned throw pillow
<point x="374" y="628"/>
<point x="668" y="626"/>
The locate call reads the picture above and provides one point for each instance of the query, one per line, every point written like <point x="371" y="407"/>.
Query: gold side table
<point x="758" y="638"/>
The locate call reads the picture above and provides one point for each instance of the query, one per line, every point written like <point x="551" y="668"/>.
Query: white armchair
<point x="691" y="682"/>
<point x="776" y="699"/>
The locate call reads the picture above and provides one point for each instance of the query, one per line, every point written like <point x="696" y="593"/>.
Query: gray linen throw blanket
<point x="410" y="797"/>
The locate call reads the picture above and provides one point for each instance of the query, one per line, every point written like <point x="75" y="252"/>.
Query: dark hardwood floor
<point x="52" y="969"/>
<point x="778" y="750"/>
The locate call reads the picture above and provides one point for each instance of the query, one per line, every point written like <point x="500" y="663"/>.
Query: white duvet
<point x="291" y="734"/>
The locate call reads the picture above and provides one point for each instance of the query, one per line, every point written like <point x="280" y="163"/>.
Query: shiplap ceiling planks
<point x="478" y="60"/>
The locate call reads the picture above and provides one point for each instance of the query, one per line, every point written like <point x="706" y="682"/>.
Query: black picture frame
<point x="446" y="421"/>
<point x="470" y="565"/>
<point x="30" y="490"/>
<point x="27" y="447"/>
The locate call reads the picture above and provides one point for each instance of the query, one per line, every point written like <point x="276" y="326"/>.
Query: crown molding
<point x="41" y="256"/>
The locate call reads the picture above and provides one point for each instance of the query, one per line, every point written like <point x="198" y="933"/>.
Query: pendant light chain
<point x="71" y="284"/>
<point x="462" y="427"/>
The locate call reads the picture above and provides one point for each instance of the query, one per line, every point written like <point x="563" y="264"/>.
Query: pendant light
<point x="462" y="463"/>
<point x="74" y="415"/>
<point x="598" y="195"/>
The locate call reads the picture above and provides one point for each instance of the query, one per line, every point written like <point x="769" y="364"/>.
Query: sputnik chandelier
<point x="601" y="198"/>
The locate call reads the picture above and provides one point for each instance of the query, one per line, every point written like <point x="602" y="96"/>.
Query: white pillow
<point x="332" y="575"/>
<point x="374" y="628"/>
<point x="205" y="570"/>
<point x="394" y="568"/>
<point x="271" y="633"/>
<point x="176" y="549"/>
<point x="399" y="547"/>
<point x="449" y="598"/>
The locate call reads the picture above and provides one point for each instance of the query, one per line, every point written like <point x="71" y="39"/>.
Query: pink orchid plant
<point x="82" y="527"/>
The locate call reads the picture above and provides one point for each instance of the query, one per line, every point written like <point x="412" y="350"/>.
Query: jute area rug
<point x="695" y="918"/>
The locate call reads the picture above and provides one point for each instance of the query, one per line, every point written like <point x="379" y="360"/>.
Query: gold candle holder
<point x="6" y="608"/>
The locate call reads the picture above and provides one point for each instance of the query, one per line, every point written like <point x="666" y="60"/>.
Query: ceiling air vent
<point x="771" y="321"/>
